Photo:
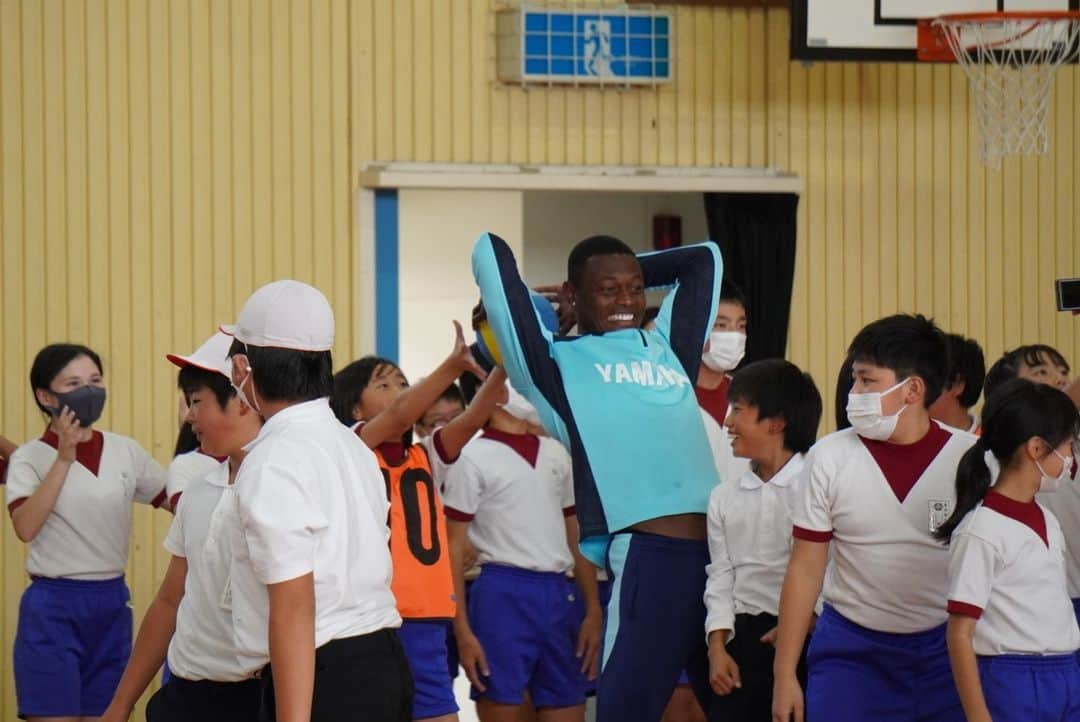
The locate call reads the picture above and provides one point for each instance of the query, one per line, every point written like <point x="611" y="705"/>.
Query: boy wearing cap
<point x="207" y="684"/>
<point x="311" y="600"/>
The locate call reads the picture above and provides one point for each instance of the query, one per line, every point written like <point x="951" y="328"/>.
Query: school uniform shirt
<point x="1007" y="570"/>
<point x="87" y="533"/>
<point x="515" y="490"/>
<point x="715" y="401"/>
<point x="622" y="402"/>
<point x="878" y="504"/>
<point x="749" y="544"/>
<point x="311" y="499"/>
<point x="186" y="469"/>
<point x="728" y="466"/>
<point x="203" y="645"/>
<point x="1065" y="505"/>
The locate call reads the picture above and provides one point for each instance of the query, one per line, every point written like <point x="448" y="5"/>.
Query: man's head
<point x="606" y="286"/>
<point x="281" y="354"/>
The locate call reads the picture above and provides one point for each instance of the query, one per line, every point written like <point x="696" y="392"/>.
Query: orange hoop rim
<point x="1009" y="15"/>
<point x="931" y="30"/>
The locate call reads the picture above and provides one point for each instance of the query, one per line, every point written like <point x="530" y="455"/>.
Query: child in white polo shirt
<point x="775" y="410"/>
<point x="873" y="496"/>
<point x="207" y="683"/>
<point x="520" y="628"/>
<point x="70" y="494"/>
<point x="1012" y="633"/>
<point x="312" y="607"/>
<point x="1045" y="365"/>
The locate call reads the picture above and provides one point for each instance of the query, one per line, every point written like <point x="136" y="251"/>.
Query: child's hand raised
<point x="463" y="355"/>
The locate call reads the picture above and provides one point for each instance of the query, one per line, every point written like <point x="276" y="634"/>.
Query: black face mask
<point x="86" y="401"/>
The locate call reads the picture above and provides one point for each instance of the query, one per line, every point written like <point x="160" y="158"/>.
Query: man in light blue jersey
<point x="622" y="399"/>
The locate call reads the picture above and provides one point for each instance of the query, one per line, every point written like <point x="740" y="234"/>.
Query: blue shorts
<point x="858" y="674"/>
<point x="425" y="648"/>
<point x="1030" y="688"/>
<point x="655" y="626"/>
<point x="71" y="644"/>
<point x="527" y="623"/>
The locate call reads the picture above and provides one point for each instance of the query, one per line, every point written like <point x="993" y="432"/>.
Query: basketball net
<point x="1010" y="60"/>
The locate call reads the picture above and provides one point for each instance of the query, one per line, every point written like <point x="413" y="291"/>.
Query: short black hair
<point x="779" y="389"/>
<point x="51" y="360"/>
<point x="967" y="364"/>
<point x="350" y="382"/>
<point x="192" y="378"/>
<point x="589" y="247"/>
<point x="731" y="293"/>
<point x="1007" y="367"/>
<point x="282" y="374"/>
<point x="452" y="393"/>
<point x="908" y="345"/>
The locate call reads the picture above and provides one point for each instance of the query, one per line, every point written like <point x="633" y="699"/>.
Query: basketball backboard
<point x="882" y="29"/>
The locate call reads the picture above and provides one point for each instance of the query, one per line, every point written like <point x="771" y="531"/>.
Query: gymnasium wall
<point x="162" y="158"/>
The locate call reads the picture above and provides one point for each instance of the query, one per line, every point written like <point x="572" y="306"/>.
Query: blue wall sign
<point x="584" y="46"/>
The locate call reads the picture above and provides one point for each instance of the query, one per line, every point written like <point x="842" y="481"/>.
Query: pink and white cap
<point x="286" y="314"/>
<point x="213" y="355"/>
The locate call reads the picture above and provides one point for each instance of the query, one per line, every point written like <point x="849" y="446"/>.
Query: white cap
<point x="286" y="314"/>
<point x="213" y="355"/>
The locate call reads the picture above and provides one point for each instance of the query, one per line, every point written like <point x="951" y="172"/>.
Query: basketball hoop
<point x="1010" y="59"/>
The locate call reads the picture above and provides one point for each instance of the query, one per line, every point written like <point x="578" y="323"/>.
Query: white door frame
<point x="376" y="177"/>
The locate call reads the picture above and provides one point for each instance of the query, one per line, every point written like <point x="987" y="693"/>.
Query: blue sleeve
<point x="524" y="342"/>
<point x="687" y="313"/>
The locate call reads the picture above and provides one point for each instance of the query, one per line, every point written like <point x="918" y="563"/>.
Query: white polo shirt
<point x="203" y="645"/>
<point x="185" y="469"/>
<point x="86" y="536"/>
<point x="887" y="572"/>
<point x="749" y="544"/>
<point x="1065" y="505"/>
<point x="1007" y="570"/>
<point x="515" y="490"/>
<point x="311" y="498"/>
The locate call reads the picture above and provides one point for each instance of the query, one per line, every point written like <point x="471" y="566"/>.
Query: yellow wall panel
<point x="162" y="158"/>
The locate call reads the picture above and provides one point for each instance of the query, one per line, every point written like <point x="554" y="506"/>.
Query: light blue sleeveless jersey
<point x="622" y="402"/>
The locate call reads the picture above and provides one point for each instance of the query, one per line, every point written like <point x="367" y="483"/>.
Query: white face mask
<point x="866" y="417"/>
<point x="518" y="406"/>
<point x="239" y="388"/>
<point x="726" y="350"/>
<point x="1053" y="483"/>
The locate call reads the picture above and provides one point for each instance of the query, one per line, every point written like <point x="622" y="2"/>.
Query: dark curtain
<point x="756" y="235"/>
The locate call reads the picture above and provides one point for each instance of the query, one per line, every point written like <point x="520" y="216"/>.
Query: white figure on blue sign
<point x="598" y="48"/>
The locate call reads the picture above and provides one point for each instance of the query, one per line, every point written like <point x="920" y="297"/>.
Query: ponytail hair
<point x="972" y="483"/>
<point x="1015" y="413"/>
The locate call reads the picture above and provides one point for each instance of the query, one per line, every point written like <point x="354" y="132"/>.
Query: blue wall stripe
<point x="386" y="274"/>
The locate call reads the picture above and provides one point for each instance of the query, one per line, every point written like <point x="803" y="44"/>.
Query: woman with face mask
<point x="1012" y="634"/>
<point x="69" y="494"/>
